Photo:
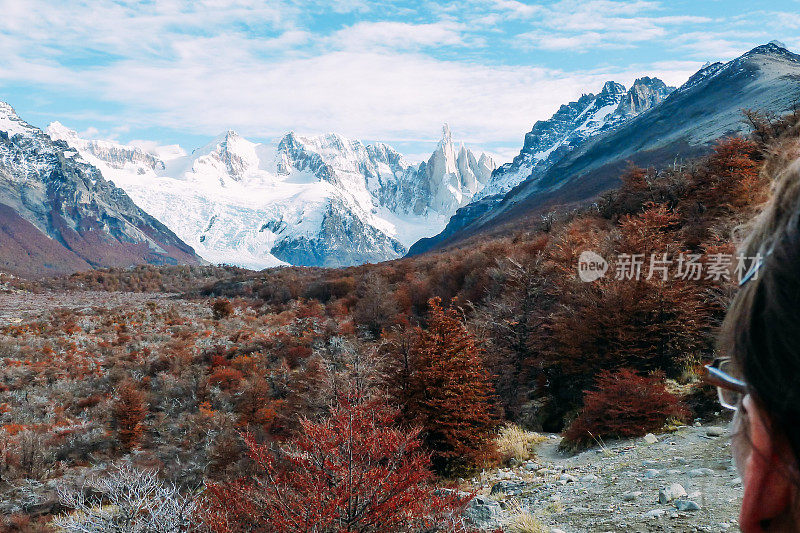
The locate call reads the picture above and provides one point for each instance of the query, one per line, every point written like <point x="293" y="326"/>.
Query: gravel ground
<point x="616" y="487"/>
<point x="18" y="307"/>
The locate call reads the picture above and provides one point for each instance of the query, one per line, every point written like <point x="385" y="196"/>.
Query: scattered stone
<point x="650" y="438"/>
<point x="530" y="466"/>
<point x="483" y="512"/>
<point x="716" y="432"/>
<point x="700" y="472"/>
<point x="631" y="495"/>
<point x="651" y="473"/>
<point x="655" y="513"/>
<point x="556" y="530"/>
<point x="508" y="487"/>
<point x="735" y="482"/>
<point x="681" y="460"/>
<point x="589" y="478"/>
<point x="673" y="492"/>
<point x="567" y="478"/>
<point x="686" y="505"/>
<point x="647" y="463"/>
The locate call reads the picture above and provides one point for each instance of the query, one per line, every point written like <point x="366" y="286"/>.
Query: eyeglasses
<point x="730" y="390"/>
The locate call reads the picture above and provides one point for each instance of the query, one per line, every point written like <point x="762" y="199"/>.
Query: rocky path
<point x="684" y="481"/>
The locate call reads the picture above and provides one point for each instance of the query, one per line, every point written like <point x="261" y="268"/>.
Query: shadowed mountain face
<point x="684" y="124"/>
<point x="58" y="214"/>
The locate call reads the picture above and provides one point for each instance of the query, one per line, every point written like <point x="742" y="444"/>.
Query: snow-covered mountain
<point x="58" y="214"/>
<point x="550" y="140"/>
<point x="308" y="200"/>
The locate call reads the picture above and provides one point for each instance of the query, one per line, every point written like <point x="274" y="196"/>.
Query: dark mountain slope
<point x="685" y="124"/>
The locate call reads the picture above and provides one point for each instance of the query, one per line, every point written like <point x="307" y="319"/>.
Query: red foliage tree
<point x="623" y="405"/>
<point x="446" y="390"/>
<point x="128" y="413"/>
<point x="352" y="472"/>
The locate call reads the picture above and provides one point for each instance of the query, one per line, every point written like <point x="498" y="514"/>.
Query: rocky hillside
<point x="684" y="124"/>
<point x="58" y="214"/>
<point x="309" y="200"/>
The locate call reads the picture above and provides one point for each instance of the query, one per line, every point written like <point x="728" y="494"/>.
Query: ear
<point x="768" y="491"/>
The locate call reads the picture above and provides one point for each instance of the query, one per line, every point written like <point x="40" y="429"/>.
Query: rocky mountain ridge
<point x="58" y="214"/>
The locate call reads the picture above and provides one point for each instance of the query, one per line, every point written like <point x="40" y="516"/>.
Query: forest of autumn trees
<point x="245" y="384"/>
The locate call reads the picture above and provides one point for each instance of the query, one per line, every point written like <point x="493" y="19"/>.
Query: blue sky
<point x="180" y="72"/>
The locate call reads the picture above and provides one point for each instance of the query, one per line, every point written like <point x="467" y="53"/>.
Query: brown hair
<point x="761" y="331"/>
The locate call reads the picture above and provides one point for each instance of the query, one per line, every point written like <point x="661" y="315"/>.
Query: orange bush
<point x="623" y="405"/>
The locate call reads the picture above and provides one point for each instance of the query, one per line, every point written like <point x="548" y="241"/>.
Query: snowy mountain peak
<point x="99" y="153"/>
<point x="447" y="137"/>
<point x="11" y="123"/>
<point x="228" y="157"/>
<point x="644" y="94"/>
<point x="574" y="123"/>
<point x="454" y="177"/>
<point x="774" y="49"/>
<point x="612" y="88"/>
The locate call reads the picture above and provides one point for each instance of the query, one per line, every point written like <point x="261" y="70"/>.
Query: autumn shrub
<point x="226" y="378"/>
<point x="128" y="413"/>
<point x="353" y="471"/>
<point x="444" y="387"/>
<point x="624" y="404"/>
<point x="221" y="308"/>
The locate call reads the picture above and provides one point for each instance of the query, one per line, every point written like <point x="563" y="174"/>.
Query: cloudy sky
<point x="180" y="72"/>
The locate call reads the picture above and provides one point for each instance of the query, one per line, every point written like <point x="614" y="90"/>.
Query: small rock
<point x="673" y="492"/>
<point x="568" y="478"/>
<point x="700" y="472"/>
<point x="681" y="460"/>
<point x="530" y="466"/>
<point x="631" y="495"/>
<point x="686" y="505"/>
<point x="651" y="473"/>
<point x="589" y="478"/>
<point x="508" y="487"/>
<point x="650" y="438"/>
<point x="655" y="513"/>
<point x="716" y="432"/>
<point x="483" y="512"/>
<point x="556" y="530"/>
<point x="735" y="482"/>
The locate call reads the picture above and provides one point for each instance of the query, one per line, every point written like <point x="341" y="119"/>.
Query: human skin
<point x="770" y="495"/>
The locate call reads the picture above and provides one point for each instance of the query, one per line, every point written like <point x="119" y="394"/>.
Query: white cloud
<point x="165" y="152"/>
<point x="398" y="35"/>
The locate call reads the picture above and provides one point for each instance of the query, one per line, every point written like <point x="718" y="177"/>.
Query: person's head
<point x="761" y="335"/>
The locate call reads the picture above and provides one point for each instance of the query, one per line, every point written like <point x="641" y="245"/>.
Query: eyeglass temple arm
<point x="719" y="378"/>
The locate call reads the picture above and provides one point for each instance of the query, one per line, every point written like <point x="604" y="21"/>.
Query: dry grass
<point x="513" y="442"/>
<point x="523" y="521"/>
